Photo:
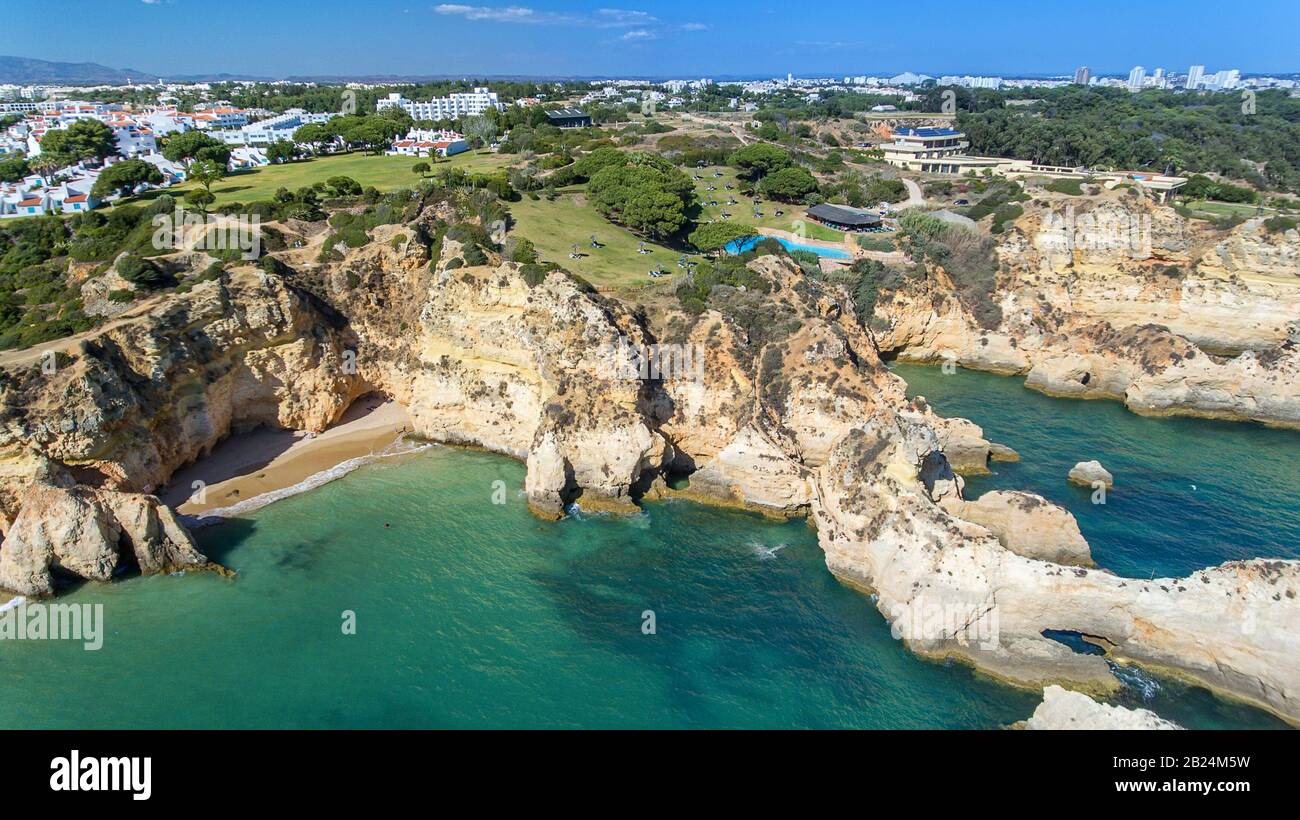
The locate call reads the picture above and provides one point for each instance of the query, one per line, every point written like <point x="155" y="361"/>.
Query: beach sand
<point x="252" y="464"/>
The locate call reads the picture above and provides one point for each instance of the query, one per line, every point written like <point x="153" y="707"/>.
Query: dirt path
<point x="68" y="344"/>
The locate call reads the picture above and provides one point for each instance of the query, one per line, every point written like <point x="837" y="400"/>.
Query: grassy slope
<point x="555" y="226"/>
<point x="744" y="212"/>
<point x="383" y="172"/>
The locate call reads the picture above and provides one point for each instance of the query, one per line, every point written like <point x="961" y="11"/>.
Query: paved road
<point x="914" y="196"/>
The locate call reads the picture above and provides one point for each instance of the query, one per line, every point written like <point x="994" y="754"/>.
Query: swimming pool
<point x="740" y="246"/>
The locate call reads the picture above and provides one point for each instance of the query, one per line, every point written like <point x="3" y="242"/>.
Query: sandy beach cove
<point x="246" y="466"/>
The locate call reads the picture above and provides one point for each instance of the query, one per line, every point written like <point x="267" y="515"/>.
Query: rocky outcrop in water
<point x="1027" y="524"/>
<point x="90" y="534"/>
<point x="1090" y="474"/>
<point x="953" y="590"/>
<point x="1062" y="709"/>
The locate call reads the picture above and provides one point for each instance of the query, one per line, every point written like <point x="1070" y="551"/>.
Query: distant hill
<point x="28" y="71"/>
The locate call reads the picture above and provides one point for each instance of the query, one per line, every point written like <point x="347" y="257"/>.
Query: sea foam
<point x="207" y="518"/>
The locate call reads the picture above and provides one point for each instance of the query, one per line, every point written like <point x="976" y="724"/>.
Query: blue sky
<point x="661" y="38"/>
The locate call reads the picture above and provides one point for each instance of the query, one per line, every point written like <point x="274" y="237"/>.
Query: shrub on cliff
<point x="998" y="194"/>
<point x="140" y="271"/>
<point x="534" y="273"/>
<point x="1009" y="212"/>
<point x="694" y="294"/>
<point x="1279" y="224"/>
<point x="866" y="280"/>
<point x="965" y="255"/>
<point x="1070" y="186"/>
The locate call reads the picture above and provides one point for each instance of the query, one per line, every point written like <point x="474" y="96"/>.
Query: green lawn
<point x="383" y="172"/>
<point x="554" y="227"/>
<point x="744" y="211"/>
<point x="1216" y="209"/>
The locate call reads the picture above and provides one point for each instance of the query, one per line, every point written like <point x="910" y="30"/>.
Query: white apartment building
<point x="265" y="132"/>
<point x="214" y="118"/>
<point x="453" y="106"/>
<point x="1136" y="78"/>
<point x="1224" y="80"/>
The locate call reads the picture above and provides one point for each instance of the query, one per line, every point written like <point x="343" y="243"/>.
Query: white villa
<point x="32" y="196"/>
<point x="420" y="142"/>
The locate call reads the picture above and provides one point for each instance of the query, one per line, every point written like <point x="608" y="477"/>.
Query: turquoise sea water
<point x="472" y="614"/>
<point x="1189" y="493"/>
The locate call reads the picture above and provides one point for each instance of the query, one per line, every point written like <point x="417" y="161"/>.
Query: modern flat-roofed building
<point x="844" y="218"/>
<point x="912" y="145"/>
<point x="265" y="132"/>
<point x="942" y="151"/>
<point x="569" y="118"/>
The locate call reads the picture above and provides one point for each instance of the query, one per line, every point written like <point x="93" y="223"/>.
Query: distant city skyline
<point x="668" y="38"/>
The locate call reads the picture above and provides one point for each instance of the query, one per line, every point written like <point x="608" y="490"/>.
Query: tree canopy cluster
<point x="369" y="132"/>
<point x="124" y="177"/>
<point x="1255" y="139"/>
<point x="188" y="147"/>
<point x="84" y="140"/>
<point x="642" y="192"/>
<point x="712" y="237"/>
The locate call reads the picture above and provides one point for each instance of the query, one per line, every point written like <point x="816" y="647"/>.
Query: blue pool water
<point x="740" y="246"/>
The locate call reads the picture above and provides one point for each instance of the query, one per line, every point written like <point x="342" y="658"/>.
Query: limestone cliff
<point x="776" y="400"/>
<point x="90" y="534"/>
<point x="1121" y="299"/>
<point x="128" y="406"/>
